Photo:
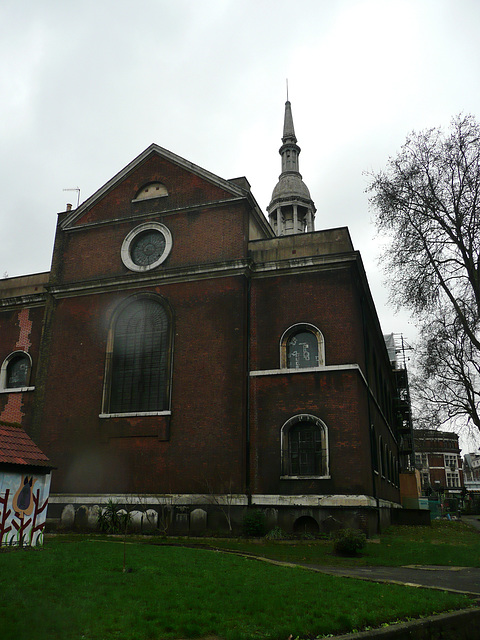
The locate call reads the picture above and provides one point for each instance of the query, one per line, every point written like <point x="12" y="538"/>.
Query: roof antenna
<point x="77" y="189"/>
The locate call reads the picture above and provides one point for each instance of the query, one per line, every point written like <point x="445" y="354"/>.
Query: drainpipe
<point x="371" y="429"/>
<point x="247" y="401"/>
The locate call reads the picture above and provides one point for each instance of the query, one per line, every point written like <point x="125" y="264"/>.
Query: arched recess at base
<point x="306" y="524"/>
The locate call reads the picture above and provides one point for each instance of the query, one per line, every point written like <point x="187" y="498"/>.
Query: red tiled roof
<point x="16" y="447"/>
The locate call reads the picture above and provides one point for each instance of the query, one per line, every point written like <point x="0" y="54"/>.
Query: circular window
<point x="146" y="246"/>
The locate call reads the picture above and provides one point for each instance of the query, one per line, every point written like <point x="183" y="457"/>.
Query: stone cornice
<point x="302" y="265"/>
<point x="202" y="272"/>
<point x="157" y="277"/>
<point x="34" y="300"/>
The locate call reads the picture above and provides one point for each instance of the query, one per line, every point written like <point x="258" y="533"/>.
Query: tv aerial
<point x="77" y="189"/>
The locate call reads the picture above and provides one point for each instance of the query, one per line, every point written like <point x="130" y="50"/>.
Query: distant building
<point x="437" y="457"/>
<point x="471" y="470"/>
<point x="471" y="467"/>
<point x="188" y="353"/>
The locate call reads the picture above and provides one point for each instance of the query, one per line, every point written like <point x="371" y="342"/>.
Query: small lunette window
<point x="152" y="190"/>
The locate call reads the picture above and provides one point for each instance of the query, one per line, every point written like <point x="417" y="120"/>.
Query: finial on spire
<point x="288" y="130"/>
<point x="287" y="89"/>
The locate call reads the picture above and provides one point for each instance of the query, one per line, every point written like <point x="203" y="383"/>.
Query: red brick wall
<point x="198" y="236"/>
<point x="202" y="234"/>
<point x="385" y="488"/>
<point x="206" y="441"/>
<point x="330" y="300"/>
<point x="327" y="300"/>
<point x="184" y="190"/>
<point x="20" y="330"/>
<point x="338" y="400"/>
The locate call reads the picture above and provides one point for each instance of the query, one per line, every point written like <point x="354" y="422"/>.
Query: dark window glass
<point x="302" y="350"/>
<point x="17" y="372"/>
<point x="139" y="366"/>
<point x="374" y="450"/>
<point x="305" y="450"/>
<point x="147" y="247"/>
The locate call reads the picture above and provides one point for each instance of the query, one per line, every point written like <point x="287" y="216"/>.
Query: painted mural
<point x="23" y="508"/>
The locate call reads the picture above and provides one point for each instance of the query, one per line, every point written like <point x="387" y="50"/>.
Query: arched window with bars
<point x="304" y="447"/>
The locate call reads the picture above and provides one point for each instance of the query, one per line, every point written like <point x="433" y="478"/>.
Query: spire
<point x="291" y="209"/>
<point x="288" y="130"/>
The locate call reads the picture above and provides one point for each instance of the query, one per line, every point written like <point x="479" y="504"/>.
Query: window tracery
<point x="138" y="361"/>
<point x="302" y="347"/>
<point x="304" y="447"/>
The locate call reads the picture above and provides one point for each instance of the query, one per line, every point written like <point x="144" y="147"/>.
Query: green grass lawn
<point x="75" y="589"/>
<point x="449" y="543"/>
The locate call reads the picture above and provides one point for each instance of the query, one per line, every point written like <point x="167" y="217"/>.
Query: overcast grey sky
<point x="87" y="85"/>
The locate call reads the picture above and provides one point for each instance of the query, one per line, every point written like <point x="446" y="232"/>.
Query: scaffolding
<point x="397" y="351"/>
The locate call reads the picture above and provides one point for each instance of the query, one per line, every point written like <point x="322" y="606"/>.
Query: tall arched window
<point x="374" y="448"/>
<point x="381" y="452"/>
<point x="15" y="371"/>
<point x="304" y="447"/>
<point x="302" y="347"/>
<point x="138" y="363"/>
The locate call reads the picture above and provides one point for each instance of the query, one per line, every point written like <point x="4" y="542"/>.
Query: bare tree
<point x="447" y="385"/>
<point x="428" y="202"/>
<point x="156" y="511"/>
<point x="223" y="501"/>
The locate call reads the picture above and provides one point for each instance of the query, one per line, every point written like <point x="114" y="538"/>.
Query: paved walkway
<point x="473" y="521"/>
<point x="463" y="579"/>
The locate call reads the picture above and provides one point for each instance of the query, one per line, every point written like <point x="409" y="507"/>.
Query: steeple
<point x="291" y="209"/>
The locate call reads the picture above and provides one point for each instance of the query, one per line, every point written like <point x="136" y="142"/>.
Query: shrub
<point x="349" y="541"/>
<point x="276" y="534"/>
<point x="112" y="519"/>
<point x="307" y="535"/>
<point x="254" y="524"/>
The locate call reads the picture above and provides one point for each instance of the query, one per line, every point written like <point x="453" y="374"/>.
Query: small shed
<point x="25" y="474"/>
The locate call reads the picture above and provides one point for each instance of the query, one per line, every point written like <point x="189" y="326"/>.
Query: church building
<point x="186" y="356"/>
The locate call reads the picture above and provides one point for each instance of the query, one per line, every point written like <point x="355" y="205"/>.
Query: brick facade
<point x="232" y="290"/>
<point x="21" y="327"/>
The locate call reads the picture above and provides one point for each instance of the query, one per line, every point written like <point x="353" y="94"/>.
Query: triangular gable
<point x="223" y="189"/>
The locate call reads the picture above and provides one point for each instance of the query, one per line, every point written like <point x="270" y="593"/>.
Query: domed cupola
<point x="291" y="209"/>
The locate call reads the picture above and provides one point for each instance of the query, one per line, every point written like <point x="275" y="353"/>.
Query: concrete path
<point x="460" y="579"/>
<point x="473" y="521"/>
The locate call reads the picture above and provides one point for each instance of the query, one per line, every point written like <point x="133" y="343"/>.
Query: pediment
<point x="155" y="181"/>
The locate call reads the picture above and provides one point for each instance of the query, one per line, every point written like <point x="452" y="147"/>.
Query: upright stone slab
<point x="198" y="521"/>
